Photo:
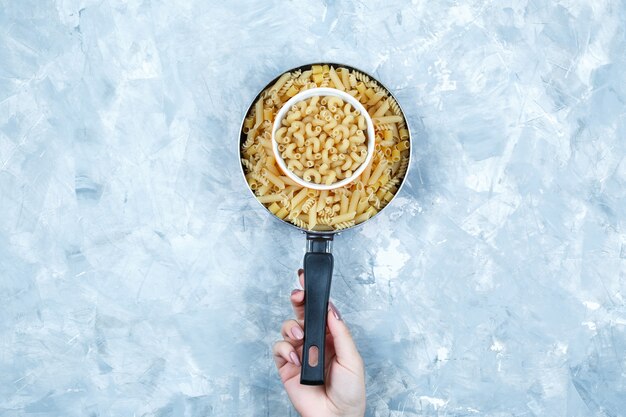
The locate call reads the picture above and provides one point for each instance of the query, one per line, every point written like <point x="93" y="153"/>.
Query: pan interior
<point x="363" y="76"/>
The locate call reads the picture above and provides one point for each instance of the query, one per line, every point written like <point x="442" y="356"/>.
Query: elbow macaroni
<point x="307" y="151"/>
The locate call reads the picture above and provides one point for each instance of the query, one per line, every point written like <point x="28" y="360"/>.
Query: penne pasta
<point x="343" y="217"/>
<point x="273" y="179"/>
<point x="382" y="109"/>
<point x="344" y="204"/>
<point x="387" y="119"/>
<point x="270" y="198"/>
<point x="313" y="216"/>
<point x="377" y="172"/>
<point x="335" y="79"/>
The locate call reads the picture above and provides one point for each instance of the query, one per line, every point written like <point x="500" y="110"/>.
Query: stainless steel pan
<point x="318" y="260"/>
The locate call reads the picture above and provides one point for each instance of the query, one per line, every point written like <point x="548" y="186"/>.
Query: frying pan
<point x="318" y="260"/>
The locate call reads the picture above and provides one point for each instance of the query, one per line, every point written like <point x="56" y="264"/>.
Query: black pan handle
<point x="318" y="273"/>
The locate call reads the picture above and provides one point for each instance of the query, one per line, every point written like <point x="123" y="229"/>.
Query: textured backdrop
<point x="139" y="277"/>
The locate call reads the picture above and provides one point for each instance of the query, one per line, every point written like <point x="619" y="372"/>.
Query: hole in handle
<point x="313" y="356"/>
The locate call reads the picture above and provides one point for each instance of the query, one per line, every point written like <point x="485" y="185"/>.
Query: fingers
<point x="292" y="332"/>
<point x="297" y="298"/>
<point x="343" y="344"/>
<point x="297" y="302"/>
<point x="301" y="277"/>
<point x="345" y="349"/>
<point x="285" y="353"/>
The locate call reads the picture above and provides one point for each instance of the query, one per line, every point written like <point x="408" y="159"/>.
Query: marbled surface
<point x="140" y="278"/>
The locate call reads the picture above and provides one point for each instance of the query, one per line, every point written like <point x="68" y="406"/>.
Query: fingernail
<point x="334" y="310"/>
<point x="294" y="358"/>
<point x="297" y="332"/>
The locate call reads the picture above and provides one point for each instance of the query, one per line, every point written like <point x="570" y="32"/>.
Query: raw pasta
<point x="322" y="140"/>
<point x="320" y="153"/>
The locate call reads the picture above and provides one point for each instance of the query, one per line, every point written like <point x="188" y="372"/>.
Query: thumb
<point x="345" y="349"/>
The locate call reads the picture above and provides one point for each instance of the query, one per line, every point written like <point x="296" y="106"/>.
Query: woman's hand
<point x="344" y="392"/>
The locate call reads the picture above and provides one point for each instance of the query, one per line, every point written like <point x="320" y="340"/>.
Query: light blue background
<point x="139" y="277"/>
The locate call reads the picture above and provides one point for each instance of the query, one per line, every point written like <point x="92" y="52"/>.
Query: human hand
<point x="344" y="392"/>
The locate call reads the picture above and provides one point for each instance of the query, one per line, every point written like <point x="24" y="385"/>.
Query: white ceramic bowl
<point x="323" y="91"/>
